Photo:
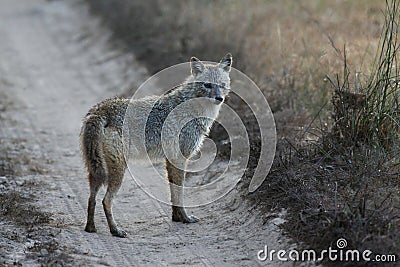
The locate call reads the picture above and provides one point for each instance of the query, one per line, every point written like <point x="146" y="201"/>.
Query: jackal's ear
<point x="196" y="66"/>
<point x="226" y="62"/>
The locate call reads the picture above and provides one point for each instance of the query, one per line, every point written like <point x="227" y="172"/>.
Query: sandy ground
<point x="55" y="63"/>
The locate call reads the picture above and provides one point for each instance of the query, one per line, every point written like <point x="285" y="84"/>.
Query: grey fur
<point x="103" y="128"/>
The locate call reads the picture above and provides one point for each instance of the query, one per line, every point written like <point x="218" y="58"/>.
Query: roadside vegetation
<point x="330" y="72"/>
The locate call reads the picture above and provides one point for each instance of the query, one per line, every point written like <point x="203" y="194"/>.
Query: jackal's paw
<point x="90" y="228"/>
<point x="118" y="232"/>
<point x="191" y="219"/>
<point x="185" y="219"/>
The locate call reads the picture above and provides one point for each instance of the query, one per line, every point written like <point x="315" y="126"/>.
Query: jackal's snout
<point x="214" y="91"/>
<point x="219" y="98"/>
<point x="217" y="90"/>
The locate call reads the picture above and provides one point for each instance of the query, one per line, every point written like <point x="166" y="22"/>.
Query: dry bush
<point x="372" y="116"/>
<point x="285" y="46"/>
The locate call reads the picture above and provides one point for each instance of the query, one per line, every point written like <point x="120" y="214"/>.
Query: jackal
<point x="102" y="135"/>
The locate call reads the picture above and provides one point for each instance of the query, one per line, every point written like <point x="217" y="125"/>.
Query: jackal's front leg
<point x="176" y="178"/>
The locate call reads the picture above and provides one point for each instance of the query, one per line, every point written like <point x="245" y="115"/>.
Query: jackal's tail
<point x="92" y="137"/>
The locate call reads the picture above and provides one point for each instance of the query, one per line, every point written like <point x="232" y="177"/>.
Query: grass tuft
<point x="368" y="110"/>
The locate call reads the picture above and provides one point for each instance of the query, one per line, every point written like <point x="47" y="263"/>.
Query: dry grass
<point x="349" y="193"/>
<point x="372" y="115"/>
<point x="331" y="187"/>
<point x="285" y="46"/>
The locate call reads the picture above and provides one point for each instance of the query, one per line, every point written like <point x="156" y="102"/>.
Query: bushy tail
<point x="92" y="148"/>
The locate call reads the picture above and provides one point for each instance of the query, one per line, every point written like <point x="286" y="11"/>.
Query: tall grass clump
<point x="367" y="110"/>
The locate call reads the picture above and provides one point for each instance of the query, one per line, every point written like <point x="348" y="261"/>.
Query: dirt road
<point x="55" y="63"/>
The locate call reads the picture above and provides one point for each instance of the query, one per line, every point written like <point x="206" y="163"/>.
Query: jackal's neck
<point x="186" y="101"/>
<point x="187" y="91"/>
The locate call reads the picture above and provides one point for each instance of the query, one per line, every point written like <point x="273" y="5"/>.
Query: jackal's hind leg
<point x="94" y="189"/>
<point x="112" y="189"/>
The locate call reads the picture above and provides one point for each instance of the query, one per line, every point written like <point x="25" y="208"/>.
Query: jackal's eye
<point x="207" y="85"/>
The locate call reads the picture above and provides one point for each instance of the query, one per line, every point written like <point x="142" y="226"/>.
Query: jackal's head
<point x="212" y="80"/>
